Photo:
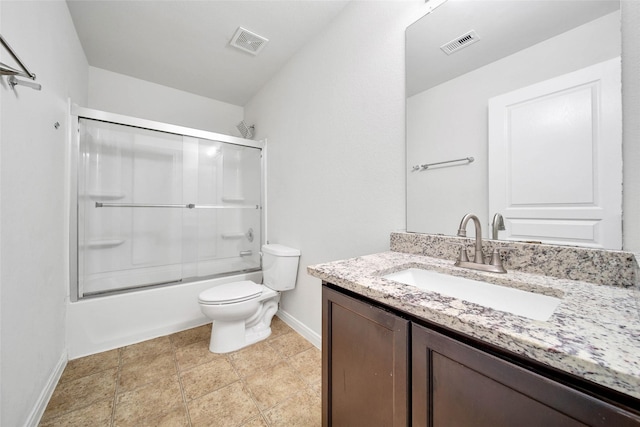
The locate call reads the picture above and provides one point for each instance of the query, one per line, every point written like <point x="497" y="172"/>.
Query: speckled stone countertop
<point x="594" y="333"/>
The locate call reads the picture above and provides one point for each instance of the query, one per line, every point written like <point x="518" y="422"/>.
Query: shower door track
<point x="167" y="283"/>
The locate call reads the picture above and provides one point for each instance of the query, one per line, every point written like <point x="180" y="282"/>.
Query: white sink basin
<point x="522" y="303"/>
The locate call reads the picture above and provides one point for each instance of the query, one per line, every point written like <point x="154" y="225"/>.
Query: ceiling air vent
<point x="247" y="41"/>
<point x="460" y="42"/>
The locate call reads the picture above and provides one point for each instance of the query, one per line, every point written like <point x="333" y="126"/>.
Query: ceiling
<point x="504" y="27"/>
<point x="185" y="44"/>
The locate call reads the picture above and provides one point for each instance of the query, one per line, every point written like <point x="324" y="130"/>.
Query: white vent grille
<point x="460" y="42"/>
<point x="247" y="41"/>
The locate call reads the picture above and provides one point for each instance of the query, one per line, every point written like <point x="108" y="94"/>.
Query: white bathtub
<point x="105" y="323"/>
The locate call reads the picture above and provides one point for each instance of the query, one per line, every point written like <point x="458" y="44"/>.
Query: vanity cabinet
<point x="365" y="360"/>
<point x="454" y="384"/>
<point x="384" y="368"/>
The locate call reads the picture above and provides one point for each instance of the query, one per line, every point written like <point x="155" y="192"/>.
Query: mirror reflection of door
<point x="555" y="159"/>
<point x="519" y="44"/>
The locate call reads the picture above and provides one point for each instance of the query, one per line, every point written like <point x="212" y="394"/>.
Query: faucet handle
<point x="462" y="256"/>
<point x="495" y="256"/>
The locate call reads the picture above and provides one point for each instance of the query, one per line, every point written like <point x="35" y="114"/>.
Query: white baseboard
<point x="43" y="400"/>
<point x="313" y="337"/>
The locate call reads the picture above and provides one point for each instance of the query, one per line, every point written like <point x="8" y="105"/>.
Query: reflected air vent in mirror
<point x="460" y="42"/>
<point x="247" y="41"/>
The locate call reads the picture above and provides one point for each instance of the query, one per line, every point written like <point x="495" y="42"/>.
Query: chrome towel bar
<point x="13" y="72"/>
<point x="428" y="165"/>
<point x="187" y="206"/>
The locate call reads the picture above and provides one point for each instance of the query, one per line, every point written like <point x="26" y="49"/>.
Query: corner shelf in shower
<point x="233" y="199"/>
<point x="106" y="195"/>
<point x="104" y="243"/>
<point x="231" y="236"/>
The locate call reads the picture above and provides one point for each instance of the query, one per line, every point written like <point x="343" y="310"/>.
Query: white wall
<point x="34" y="203"/>
<point x="450" y="121"/>
<point x="334" y="120"/>
<point x="631" y="123"/>
<point x="133" y="97"/>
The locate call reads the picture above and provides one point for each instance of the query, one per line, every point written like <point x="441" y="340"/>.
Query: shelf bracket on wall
<point x="13" y="73"/>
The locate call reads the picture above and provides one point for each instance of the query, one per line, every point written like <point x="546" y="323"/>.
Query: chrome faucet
<point x="497" y="225"/>
<point x="478" y="263"/>
<point x="462" y="232"/>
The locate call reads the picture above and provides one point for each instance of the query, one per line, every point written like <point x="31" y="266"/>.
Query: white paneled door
<point x="555" y="159"/>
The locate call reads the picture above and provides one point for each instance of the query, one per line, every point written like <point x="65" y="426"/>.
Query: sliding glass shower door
<point x="156" y="208"/>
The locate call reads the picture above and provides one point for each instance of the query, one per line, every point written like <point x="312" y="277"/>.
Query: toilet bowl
<point x="242" y="311"/>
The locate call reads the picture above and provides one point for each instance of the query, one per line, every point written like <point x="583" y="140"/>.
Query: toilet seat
<point x="230" y="293"/>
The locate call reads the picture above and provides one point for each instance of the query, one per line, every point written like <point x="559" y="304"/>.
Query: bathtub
<point x="100" y="324"/>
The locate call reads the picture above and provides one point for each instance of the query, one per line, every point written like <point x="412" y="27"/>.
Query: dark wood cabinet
<point x="382" y="367"/>
<point x="365" y="377"/>
<point x="454" y="384"/>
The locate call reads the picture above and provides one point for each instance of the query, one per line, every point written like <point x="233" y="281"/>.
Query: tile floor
<point x="175" y="381"/>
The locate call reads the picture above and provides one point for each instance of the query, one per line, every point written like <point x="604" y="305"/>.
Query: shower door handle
<point x="246" y="253"/>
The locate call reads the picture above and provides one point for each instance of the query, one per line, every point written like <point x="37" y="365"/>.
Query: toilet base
<point x="232" y="336"/>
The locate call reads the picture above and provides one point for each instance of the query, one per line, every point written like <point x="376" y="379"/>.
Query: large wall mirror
<point x="514" y="108"/>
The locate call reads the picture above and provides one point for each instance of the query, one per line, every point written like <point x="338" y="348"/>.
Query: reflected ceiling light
<point x="433" y="5"/>
<point x="213" y="152"/>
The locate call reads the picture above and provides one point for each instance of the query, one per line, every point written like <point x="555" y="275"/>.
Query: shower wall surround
<point x="159" y="204"/>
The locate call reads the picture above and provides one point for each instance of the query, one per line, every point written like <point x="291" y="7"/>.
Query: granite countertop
<point x="594" y="333"/>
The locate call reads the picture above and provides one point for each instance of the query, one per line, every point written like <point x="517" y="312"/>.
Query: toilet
<point x="242" y="311"/>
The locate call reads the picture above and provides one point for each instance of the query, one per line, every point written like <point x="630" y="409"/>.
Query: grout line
<point x="182" y="391"/>
<point x="115" y="392"/>
<point x="245" y="385"/>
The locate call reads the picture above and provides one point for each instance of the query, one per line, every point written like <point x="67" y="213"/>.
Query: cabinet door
<point x="457" y="385"/>
<point x="364" y="364"/>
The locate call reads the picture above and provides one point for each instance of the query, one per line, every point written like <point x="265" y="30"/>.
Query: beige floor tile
<point x="147" y="348"/>
<point x="148" y="402"/>
<point x="289" y="344"/>
<point x="173" y="417"/>
<point x="144" y="383"/>
<point x="278" y="327"/>
<point x="254" y="358"/>
<point x="274" y="385"/>
<point x="77" y="394"/>
<point x="190" y="336"/>
<point x="137" y="372"/>
<point x="88" y="365"/>
<point x="230" y="406"/>
<point x="204" y="379"/>
<point x="309" y="365"/>
<point x="256" y="422"/>
<point x="302" y="410"/>
<point x="317" y="389"/>
<point x="195" y="354"/>
<point x="97" y="414"/>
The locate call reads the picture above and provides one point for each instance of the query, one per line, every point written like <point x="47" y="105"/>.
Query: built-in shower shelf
<point x="230" y="236"/>
<point x="233" y="199"/>
<point x="106" y="195"/>
<point x="103" y="244"/>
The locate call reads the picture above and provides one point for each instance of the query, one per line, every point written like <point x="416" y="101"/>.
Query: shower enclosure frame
<point x="77" y="113"/>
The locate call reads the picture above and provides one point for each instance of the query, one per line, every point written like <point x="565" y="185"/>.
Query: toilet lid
<point x="230" y="292"/>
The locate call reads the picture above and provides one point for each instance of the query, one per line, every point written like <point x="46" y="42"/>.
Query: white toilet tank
<point x="280" y="266"/>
